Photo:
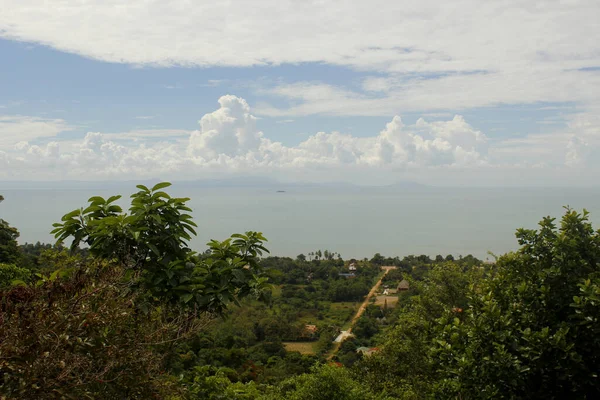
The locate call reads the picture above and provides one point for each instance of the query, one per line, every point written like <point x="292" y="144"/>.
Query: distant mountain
<point x="234" y="182"/>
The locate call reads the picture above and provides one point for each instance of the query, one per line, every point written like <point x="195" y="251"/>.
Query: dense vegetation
<point x="128" y="310"/>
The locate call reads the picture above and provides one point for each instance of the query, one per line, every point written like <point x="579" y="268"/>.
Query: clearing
<point x="301" y="347"/>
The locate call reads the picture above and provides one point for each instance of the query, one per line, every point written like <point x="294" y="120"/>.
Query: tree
<point x="151" y="241"/>
<point x="378" y="259"/>
<point x="9" y="248"/>
<point x="9" y="274"/>
<point x="403" y="367"/>
<point x="326" y="382"/>
<point x="532" y="330"/>
<point x="106" y="327"/>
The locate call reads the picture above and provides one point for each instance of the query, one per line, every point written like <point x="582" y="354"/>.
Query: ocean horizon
<point x="355" y="221"/>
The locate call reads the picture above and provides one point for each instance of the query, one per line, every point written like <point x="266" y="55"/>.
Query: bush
<point x="10" y="273"/>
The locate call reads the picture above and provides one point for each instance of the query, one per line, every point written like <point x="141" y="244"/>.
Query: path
<point x="344" y="334"/>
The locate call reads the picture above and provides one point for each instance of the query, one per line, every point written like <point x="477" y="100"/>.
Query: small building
<point x="404" y="285"/>
<point x="367" y="351"/>
<point x="386" y="292"/>
<point x="347" y="275"/>
<point x="352" y="267"/>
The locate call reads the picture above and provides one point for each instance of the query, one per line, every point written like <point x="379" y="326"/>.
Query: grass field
<point x="301" y="347"/>
<point x="334" y="314"/>
<point x="391" y="301"/>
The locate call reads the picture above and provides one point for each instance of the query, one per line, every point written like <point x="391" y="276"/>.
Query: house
<point x="310" y="331"/>
<point x="352" y="267"/>
<point x="367" y="351"/>
<point x="404" y="285"/>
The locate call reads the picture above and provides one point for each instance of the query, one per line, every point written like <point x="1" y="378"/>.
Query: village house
<point x="367" y="351"/>
<point x="310" y="331"/>
<point x="404" y="285"/>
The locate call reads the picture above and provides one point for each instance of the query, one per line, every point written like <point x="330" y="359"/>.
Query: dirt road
<point x="344" y="334"/>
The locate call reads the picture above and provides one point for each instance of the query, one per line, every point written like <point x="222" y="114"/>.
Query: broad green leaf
<point x="113" y="198"/>
<point x="161" y="185"/>
<point x="96" y="199"/>
<point x="186" y="297"/>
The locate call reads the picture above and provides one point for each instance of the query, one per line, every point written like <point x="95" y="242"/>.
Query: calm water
<point x="356" y="223"/>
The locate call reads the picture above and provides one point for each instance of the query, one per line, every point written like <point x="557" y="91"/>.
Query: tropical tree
<point x="106" y="327"/>
<point x="9" y="248"/>
<point x="152" y="242"/>
<point x="326" y="382"/>
<point x="532" y="330"/>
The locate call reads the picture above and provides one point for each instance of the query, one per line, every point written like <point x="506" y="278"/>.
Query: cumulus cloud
<point x="228" y="141"/>
<point x="229" y="131"/>
<point x="577" y="152"/>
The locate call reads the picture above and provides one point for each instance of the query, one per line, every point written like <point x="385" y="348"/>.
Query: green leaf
<point x="239" y="274"/>
<point x="154" y="249"/>
<point x="161" y="185"/>
<point x="96" y="199"/>
<point x="186" y="297"/>
<point x="70" y="215"/>
<point x="160" y="194"/>
<point x="113" y="198"/>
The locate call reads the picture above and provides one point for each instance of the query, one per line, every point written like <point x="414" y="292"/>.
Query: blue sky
<point x="368" y="92"/>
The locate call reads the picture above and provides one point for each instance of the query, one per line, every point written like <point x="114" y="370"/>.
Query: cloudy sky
<point x="465" y="92"/>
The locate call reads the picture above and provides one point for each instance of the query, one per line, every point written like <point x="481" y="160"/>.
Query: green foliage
<point x="525" y="328"/>
<point x="325" y="382"/>
<point x="214" y="384"/>
<point x="151" y="238"/>
<point x="403" y="368"/>
<point x="78" y="335"/>
<point x="11" y="274"/>
<point x="151" y="241"/>
<point x="9" y="249"/>
<point x="108" y="327"/>
<point x="531" y="331"/>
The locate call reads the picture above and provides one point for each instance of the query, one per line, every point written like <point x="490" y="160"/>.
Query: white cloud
<point x="149" y="134"/>
<point x="577" y="152"/>
<point x="376" y="34"/>
<point x="427" y="54"/>
<point x="388" y="96"/>
<point x="229" y="131"/>
<point x="18" y="128"/>
<point x="229" y="141"/>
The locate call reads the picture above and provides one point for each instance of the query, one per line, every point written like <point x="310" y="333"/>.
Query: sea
<point x="356" y="222"/>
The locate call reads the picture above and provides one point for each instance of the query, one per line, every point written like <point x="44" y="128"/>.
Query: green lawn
<point x="301" y="347"/>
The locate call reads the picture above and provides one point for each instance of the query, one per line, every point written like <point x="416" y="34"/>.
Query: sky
<point x="466" y="93"/>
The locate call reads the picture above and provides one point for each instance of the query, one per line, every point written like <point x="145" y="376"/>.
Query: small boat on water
<point x="281" y="191"/>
